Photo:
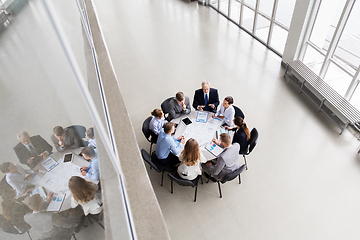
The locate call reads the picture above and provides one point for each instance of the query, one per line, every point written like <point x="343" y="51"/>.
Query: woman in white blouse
<point x="191" y="159"/>
<point x="157" y="122"/>
<point x="227" y="111"/>
<point x="84" y="194"/>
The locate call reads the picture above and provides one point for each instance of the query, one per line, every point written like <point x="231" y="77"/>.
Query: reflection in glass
<point x="214" y="3"/>
<point x="284" y="12"/>
<point x="337" y="79"/>
<point x="224" y="6"/>
<point x="313" y="59"/>
<point x="247" y="18"/>
<point x="235" y="11"/>
<point x="266" y="7"/>
<point x="355" y="99"/>
<point x="251" y="3"/>
<point x="278" y="39"/>
<point x="262" y="28"/>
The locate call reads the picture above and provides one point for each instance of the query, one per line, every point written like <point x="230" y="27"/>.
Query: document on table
<point x="202" y="117"/>
<point x="36" y="176"/>
<point x="56" y="202"/>
<point x="49" y="164"/>
<point x="38" y="190"/>
<point x="58" y="179"/>
<point x="214" y="149"/>
<point x="216" y="120"/>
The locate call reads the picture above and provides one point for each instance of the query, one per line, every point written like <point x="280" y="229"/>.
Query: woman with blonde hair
<point x="84" y="194"/>
<point x="191" y="159"/>
<point x="242" y="133"/>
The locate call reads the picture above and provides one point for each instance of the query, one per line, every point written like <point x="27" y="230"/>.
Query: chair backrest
<point x="4" y="186"/>
<point x="145" y="128"/>
<point x="238" y="112"/>
<point x="146" y="156"/>
<point x="234" y="174"/>
<point x="182" y="182"/>
<point x="80" y="130"/>
<point x="165" y="105"/>
<point x="253" y="139"/>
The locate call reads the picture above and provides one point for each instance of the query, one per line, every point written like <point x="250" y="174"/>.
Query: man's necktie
<point x="206" y="102"/>
<point x="33" y="151"/>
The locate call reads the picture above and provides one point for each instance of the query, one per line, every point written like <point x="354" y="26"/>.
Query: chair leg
<point x="201" y="180"/>
<point x="245" y="162"/>
<point x="28" y="232"/>
<point x="162" y="178"/>
<point x="171" y="187"/>
<point x="195" y="193"/>
<point x="151" y="147"/>
<point x="73" y="235"/>
<point x="219" y="189"/>
<point x="239" y="179"/>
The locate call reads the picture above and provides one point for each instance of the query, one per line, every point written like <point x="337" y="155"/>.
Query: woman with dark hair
<point x="242" y="133"/>
<point x="191" y="159"/>
<point x="84" y="194"/>
<point x="227" y="111"/>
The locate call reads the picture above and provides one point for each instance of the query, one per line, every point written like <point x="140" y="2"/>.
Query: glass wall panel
<point x="337" y="79"/>
<point x="235" y="10"/>
<point x="251" y="3"/>
<point x="247" y="18"/>
<point x="278" y="38"/>
<point x="348" y="48"/>
<point x="266" y="7"/>
<point x="224" y="6"/>
<point x="355" y="99"/>
<point x="284" y="12"/>
<point x="214" y="3"/>
<point x="262" y="28"/>
<point x="313" y="59"/>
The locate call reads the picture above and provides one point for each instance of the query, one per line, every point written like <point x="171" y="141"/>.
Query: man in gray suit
<point x="178" y="106"/>
<point x="49" y="225"/>
<point x="227" y="161"/>
<point x="64" y="139"/>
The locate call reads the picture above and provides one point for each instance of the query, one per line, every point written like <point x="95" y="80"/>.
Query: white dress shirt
<point x="228" y="114"/>
<point x="156" y="124"/>
<point x="190" y="172"/>
<point x="17" y="180"/>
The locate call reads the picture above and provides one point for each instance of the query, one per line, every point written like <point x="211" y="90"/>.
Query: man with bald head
<point x="206" y="98"/>
<point x="31" y="150"/>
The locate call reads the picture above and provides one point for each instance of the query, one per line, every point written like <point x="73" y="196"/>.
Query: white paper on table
<point x="202" y="117"/>
<point x="214" y="149"/>
<point x="38" y="190"/>
<point x="216" y="120"/>
<point x="56" y="202"/>
<point x="36" y="177"/>
<point x="49" y="164"/>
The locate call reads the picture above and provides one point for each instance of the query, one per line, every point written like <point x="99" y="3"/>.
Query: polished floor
<point x="303" y="176"/>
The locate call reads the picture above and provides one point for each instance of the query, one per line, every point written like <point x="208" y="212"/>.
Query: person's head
<point x="180" y="97"/>
<point x="81" y="190"/>
<point x="228" y="101"/>
<point x="88" y="153"/>
<point x="36" y="202"/>
<point x="239" y="122"/>
<point x="191" y="152"/>
<point x="89" y="134"/>
<point x="158" y="113"/>
<point x="169" y="128"/>
<point x="59" y="133"/>
<point x="24" y="137"/>
<point x="225" y="139"/>
<point x="8" y="167"/>
<point x="205" y="86"/>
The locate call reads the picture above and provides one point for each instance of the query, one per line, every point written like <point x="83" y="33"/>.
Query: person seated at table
<point x="14" y="210"/>
<point x="227" y="111"/>
<point x="31" y="150"/>
<point x="242" y="133"/>
<point x="84" y="193"/>
<point x="15" y="176"/>
<point x="206" y="98"/>
<point x="92" y="170"/>
<point x="157" y="122"/>
<point x="226" y="162"/>
<point x="167" y="147"/>
<point x="179" y="106"/>
<point x="90" y="136"/>
<point x="191" y="159"/>
<point x="50" y="225"/>
<point x="64" y="139"/>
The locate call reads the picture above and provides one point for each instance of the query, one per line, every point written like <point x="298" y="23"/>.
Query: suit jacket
<point x="72" y="140"/>
<point x="175" y="110"/>
<point x="40" y="146"/>
<point x="227" y="162"/>
<point x="213" y="99"/>
<point x="240" y="137"/>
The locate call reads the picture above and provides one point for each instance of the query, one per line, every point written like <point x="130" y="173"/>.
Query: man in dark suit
<point x="179" y="106"/>
<point x="206" y="99"/>
<point x="64" y="139"/>
<point x="31" y="150"/>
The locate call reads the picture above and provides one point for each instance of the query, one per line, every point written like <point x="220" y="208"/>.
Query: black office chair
<point x="230" y="177"/>
<point x="183" y="182"/>
<point x="149" y="135"/>
<point x="156" y="165"/>
<point x="238" y="112"/>
<point x="80" y="130"/>
<point x="251" y="144"/>
<point x="165" y="107"/>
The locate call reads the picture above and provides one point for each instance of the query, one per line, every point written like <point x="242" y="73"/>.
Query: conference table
<point x="203" y="129"/>
<point x="56" y="180"/>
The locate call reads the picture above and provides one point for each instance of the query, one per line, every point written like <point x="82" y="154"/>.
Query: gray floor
<point x="302" y="181"/>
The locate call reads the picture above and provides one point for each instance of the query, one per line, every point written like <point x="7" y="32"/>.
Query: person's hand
<point x="184" y="106"/>
<point x="215" y="141"/>
<point x="83" y="173"/>
<point x="201" y="107"/>
<point x="30" y="160"/>
<point x="213" y="116"/>
<point x="83" y="169"/>
<point x="212" y="105"/>
<point x="61" y="143"/>
<point x="49" y="196"/>
<point x="43" y="155"/>
<point x="27" y="193"/>
<point x="182" y="141"/>
<point x="221" y="117"/>
<point x="208" y="164"/>
<point x="181" y="137"/>
<point x="36" y="171"/>
<point x="226" y="128"/>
